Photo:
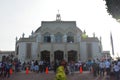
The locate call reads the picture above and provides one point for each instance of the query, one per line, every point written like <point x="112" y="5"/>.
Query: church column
<point x="65" y="54"/>
<point x="38" y="52"/>
<point x="78" y="53"/>
<point x="78" y="41"/>
<point x="52" y="48"/>
<point x="65" y="47"/>
<point x="65" y="38"/>
<point x="78" y="38"/>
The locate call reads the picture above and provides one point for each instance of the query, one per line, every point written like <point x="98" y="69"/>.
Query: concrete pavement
<point x="86" y="75"/>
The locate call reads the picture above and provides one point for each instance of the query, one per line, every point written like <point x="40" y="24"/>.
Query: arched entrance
<point x="72" y="55"/>
<point x="45" y="56"/>
<point x="58" y="55"/>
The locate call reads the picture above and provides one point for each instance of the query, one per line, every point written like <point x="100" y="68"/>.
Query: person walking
<point x="118" y="63"/>
<point x="7" y="68"/>
<point x="107" y="67"/>
<point x="95" y="68"/>
<point x="41" y="66"/>
<point x="102" y="68"/>
<point x="32" y="65"/>
<point x="36" y="66"/>
<point x="116" y="69"/>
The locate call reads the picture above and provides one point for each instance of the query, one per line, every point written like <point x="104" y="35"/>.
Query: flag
<point x="112" y="43"/>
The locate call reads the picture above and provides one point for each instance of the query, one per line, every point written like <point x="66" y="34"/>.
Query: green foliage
<point x="113" y="8"/>
<point x="84" y="36"/>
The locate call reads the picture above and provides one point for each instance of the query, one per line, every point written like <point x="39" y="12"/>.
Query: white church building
<point x="58" y="40"/>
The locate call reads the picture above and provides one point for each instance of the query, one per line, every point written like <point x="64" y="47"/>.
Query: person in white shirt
<point x="40" y="66"/>
<point x="102" y="68"/>
<point x="32" y="65"/>
<point x="119" y="66"/>
<point x="116" y="69"/>
<point x="108" y="67"/>
<point x="118" y="63"/>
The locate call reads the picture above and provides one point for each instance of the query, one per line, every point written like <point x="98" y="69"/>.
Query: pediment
<point x="44" y="30"/>
<point x="56" y="30"/>
<point x="72" y="30"/>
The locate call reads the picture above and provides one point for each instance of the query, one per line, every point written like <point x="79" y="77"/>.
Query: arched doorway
<point x="58" y="55"/>
<point x="72" y="55"/>
<point x="45" y="56"/>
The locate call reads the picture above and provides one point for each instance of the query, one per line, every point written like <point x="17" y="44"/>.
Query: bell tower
<point x="58" y="17"/>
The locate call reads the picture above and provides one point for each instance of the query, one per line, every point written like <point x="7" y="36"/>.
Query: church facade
<point x="58" y="40"/>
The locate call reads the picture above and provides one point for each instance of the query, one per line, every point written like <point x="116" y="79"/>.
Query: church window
<point x="70" y="37"/>
<point x="47" y="38"/>
<point x="58" y="37"/>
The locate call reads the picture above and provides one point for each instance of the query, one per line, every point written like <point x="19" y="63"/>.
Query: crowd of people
<point x="106" y="67"/>
<point x="98" y="67"/>
<point x="6" y="64"/>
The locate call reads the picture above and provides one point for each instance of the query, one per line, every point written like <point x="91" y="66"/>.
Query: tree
<point x="113" y="8"/>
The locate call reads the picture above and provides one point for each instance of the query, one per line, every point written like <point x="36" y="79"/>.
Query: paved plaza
<point x="51" y="76"/>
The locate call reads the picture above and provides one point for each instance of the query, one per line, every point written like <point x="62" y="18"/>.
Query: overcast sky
<point x="23" y="16"/>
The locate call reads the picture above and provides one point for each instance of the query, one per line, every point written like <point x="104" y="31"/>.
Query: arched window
<point x="47" y="37"/>
<point x="70" y="37"/>
<point x="58" y="37"/>
<point x="72" y="55"/>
